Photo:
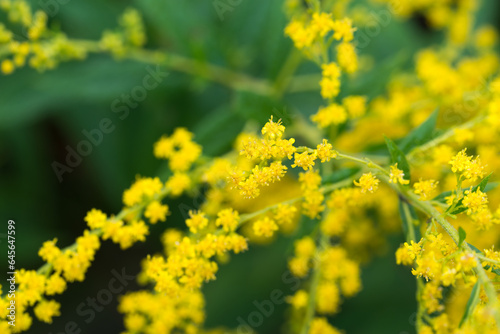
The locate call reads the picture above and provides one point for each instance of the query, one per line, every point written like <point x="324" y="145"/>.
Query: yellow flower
<point x="125" y="235"/>
<point x="197" y="221"/>
<point x="330" y="82"/>
<point x="134" y="322"/>
<point x="55" y="284"/>
<point x="343" y="30"/>
<point x="467" y="167"/>
<point x="305" y="247"/>
<point x="427" y="266"/>
<point x="397" y="175"/>
<point x="355" y="105"/>
<point x="264" y="227"/>
<point x="486" y="37"/>
<point x="178" y="183"/>
<point x="367" y="182"/>
<point x="285" y="214"/>
<point x="299" y="299"/>
<point x="328" y="298"/>
<point x="299" y="266"/>
<point x="407" y="253"/>
<point x="425" y="189"/>
<point x="95" y="219"/>
<point x="179" y="149"/>
<point x="228" y="219"/>
<point x="301" y="35"/>
<point x="143" y="188"/>
<point x="155" y="212"/>
<point x="347" y="58"/>
<point x="304" y="160"/>
<point x="334" y="114"/>
<point x="325" y="152"/>
<point x="273" y="130"/>
<point x="46" y="310"/>
<point x="7" y="66"/>
<point x="322" y="23"/>
<point x="331" y="70"/>
<point x="476" y="201"/>
<point x="321" y="326"/>
<point x="49" y="251"/>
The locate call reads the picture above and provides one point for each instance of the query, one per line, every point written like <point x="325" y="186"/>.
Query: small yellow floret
<point x="197" y="221"/>
<point x="95" y="219"/>
<point x="46" y="310"/>
<point x="228" y="219"/>
<point x="425" y="189"/>
<point x="397" y="175"/>
<point x="265" y="227"/>
<point x="155" y="212"/>
<point x="476" y="201"/>
<point x="367" y="182"/>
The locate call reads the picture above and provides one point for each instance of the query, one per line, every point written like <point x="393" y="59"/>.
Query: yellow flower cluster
<point x="333" y="114"/>
<point x="270" y="146"/>
<point x="310" y="34"/>
<point x="147" y="312"/>
<point x="339" y="275"/>
<point x="468" y="168"/>
<point x="179" y="149"/>
<point x="45" y="48"/>
<point x="475" y="201"/>
<point x="346" y="233"/>
<point x="441" y="264"/>
<point x="330" y="82"/>
<point x="310" y="182"/>
<point x="457" y="18"/>
<point x="321" y="326"/>
<point x="72" y="264"/>
<point x="301" y="263"/>
<point x="189" y="263"/>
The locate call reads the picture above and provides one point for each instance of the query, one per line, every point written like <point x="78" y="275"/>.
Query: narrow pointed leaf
<point x="420" y="135"/>
<point x="461" y="236"/>
<point x="397" y="156"/>
<point x="471" y="303"/>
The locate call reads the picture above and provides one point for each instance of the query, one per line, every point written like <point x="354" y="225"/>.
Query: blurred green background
<point x="42" y="113"/>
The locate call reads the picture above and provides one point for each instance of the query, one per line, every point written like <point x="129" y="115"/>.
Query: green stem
<point x="313" y="289"/>
<point x="218" y="74"/>
<point x="445" y="136"/>
<point x="486" y="259"/>
<point x="46" y="269"/>
<point x="420" y="306"/>
<point x="286" y="73"/>
<point x="427" y="208"/>
<point x="325" y="190"/>
<point x="411" y="227"/>
<point x="304" y="83"/>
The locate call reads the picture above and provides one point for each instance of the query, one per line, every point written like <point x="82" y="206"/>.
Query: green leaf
<point x="471" y="303"/>
<point x="408" y="216"/>
<point x="482" y="184"/>
<point x="461" y="235"/>
<point x="496" y="271"/>
<point x="420" y="135"/>
<point x="459" y="207"/>
<point x="474" y="248"/>
<point x="397" y="156"/>
<point x="442" y="197"/>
